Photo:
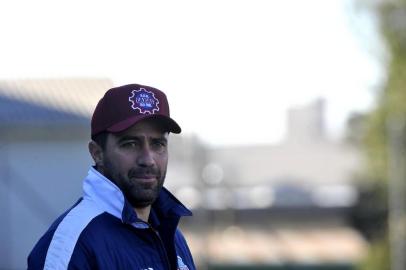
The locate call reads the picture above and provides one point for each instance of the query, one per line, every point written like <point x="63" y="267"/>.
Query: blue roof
<point x="16" y="112"/>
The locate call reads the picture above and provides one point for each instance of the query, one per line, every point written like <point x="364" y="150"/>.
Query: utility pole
<point x="396" y="131"/>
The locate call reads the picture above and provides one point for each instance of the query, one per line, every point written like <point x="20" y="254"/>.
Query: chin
<point x="142" y="201"/>
<point x="142" y="204"/>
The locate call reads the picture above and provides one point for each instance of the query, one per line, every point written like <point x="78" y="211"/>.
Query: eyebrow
<point x="130" y="137"/>
<point x="126" y="138"/>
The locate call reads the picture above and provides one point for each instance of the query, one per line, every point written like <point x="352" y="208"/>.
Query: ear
<point x="97" y="153"/>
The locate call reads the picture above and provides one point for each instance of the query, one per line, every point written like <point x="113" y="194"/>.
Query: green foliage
<point x="375" y="145"/>
<point x="378" y="257"/>
<point x="392" y="99"/>
<point x="391" y="107"/>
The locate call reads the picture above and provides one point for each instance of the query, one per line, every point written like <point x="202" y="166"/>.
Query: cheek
<point x="118" y="163"/>
<point x="162" y="161"/>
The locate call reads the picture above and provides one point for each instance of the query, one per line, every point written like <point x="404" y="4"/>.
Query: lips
<point x="149" y="175"/>
<point x="145" y="176"/>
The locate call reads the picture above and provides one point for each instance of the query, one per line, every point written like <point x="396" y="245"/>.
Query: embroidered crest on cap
<point x="144" y="101"/>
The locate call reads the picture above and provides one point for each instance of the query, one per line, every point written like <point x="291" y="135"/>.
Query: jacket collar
<point x="108" y="197"/>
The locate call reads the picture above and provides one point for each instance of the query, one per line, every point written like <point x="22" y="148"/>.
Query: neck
<point x="143" y="213"/>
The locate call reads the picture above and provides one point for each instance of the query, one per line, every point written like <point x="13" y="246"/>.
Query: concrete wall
<point x="39" y="181"/>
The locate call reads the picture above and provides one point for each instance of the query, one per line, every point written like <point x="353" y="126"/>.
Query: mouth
<point x="145" y="178"/>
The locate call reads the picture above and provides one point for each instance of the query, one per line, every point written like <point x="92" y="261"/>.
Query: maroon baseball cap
<point x="123" y="106"/>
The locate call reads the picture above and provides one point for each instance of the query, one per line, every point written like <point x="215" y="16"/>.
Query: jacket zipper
<point x="162" y="248"/>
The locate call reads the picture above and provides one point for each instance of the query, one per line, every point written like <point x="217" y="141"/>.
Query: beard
<point x="137" y="192"/>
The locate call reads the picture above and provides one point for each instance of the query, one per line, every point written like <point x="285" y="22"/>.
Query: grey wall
<point x="39" y="181"/>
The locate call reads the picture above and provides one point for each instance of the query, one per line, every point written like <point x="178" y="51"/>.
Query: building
<point x="44" y="130"/>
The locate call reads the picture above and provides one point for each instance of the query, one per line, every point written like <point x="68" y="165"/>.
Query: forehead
<point x="149" y="126"/>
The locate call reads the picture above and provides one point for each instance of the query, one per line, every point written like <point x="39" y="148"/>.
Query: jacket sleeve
<point x="184" y="251"/>
<point x="82" y="258"/>
<point x="36" y="258"/>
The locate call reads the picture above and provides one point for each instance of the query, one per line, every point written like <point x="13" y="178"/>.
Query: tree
<point x="385" y="137"/>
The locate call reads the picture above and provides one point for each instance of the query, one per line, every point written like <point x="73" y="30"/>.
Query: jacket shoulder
<point x="184" y="255"/>
<point x="55" y="247"/>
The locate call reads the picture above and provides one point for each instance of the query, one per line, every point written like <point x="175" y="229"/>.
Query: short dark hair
<point x="101" y="139"/>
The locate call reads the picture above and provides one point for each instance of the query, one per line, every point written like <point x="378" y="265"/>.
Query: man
<point x="126" y="219"/>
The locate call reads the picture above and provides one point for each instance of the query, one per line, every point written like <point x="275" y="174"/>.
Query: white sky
<point x="230" y="68"/>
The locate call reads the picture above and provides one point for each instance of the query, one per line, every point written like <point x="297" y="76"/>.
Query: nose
<point x="145" y="157"/>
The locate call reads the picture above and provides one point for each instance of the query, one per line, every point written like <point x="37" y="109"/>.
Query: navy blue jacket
<point x="102" y="231"/>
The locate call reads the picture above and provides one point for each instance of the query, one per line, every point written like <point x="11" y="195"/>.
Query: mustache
<point x="139" y="172"/>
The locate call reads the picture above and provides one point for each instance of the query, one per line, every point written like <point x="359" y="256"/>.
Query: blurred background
<point x="292" y="154"/>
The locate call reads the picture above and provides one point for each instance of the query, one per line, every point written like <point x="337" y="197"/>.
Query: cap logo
<point x="144" y="101"/>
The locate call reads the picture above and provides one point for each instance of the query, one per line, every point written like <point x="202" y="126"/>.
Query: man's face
<point x="136" y="161"/>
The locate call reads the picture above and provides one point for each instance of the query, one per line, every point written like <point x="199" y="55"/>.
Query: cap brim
<point x="168" y="123"/>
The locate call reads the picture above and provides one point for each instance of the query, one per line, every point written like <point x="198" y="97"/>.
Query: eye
<point x="130" y="144"/>
<point x="159" y="145"/>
